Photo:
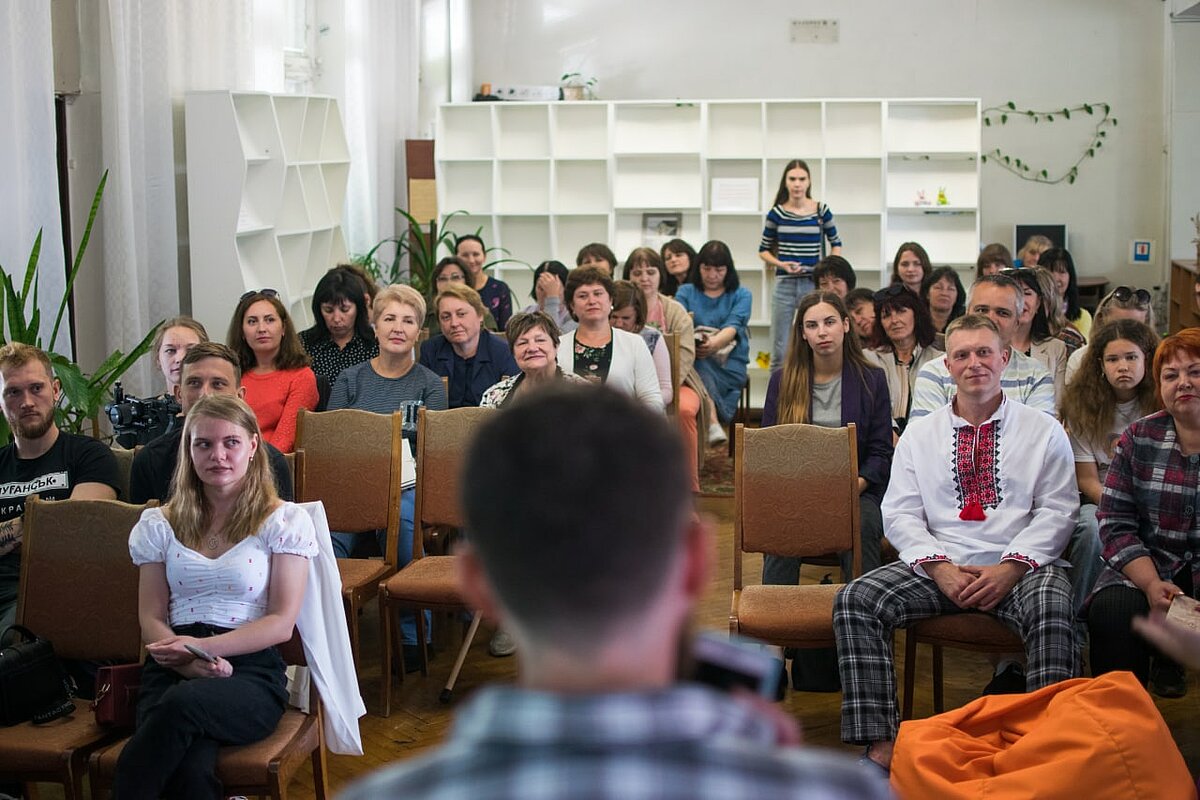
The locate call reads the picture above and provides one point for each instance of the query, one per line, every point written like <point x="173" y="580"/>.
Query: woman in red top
<point x="276" y="379"/>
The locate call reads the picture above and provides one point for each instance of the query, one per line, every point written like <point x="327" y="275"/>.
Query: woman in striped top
<point x="793" y="241"/>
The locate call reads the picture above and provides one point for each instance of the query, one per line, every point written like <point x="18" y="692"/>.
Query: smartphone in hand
<point x="203" y="655"/>
<point x="725" y="662"/>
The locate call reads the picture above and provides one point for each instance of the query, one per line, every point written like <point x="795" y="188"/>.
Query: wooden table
<point x="1091" y="292"/>
<point x="1182" y="302"/>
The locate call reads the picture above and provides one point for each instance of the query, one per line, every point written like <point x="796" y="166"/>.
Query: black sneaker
<point x="1167" y="679"/>
<point x="1010" y="680"/>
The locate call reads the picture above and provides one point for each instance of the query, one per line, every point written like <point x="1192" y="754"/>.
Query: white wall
<point x="1184" y="65"/>
<point x="1038" y="54"/>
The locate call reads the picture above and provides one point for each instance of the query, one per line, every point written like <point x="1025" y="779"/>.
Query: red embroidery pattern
<point x="928" y="560"/>
<point x="976" y="476"/>
<point x="1024" y="559"/>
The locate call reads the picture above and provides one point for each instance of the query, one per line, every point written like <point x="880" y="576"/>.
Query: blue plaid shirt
<point x="682" y="742"/>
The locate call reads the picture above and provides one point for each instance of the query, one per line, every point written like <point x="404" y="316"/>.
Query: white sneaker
<point x="716" y="434"/>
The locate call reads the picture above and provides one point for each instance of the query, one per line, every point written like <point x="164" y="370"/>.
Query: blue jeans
<point x="788" y="291"/>
<point x="343" y="547"/>
<point x="1083" y="552"/>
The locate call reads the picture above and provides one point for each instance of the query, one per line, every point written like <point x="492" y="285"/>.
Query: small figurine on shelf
<point x="942" y="201"/>
<point x="921" y="200"/>
<point x="763" y="361"/>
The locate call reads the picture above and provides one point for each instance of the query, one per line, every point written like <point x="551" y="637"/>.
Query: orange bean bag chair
<point x="1090" y="738"/>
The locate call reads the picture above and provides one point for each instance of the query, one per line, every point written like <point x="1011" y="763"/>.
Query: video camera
<point x="136" y="421"/>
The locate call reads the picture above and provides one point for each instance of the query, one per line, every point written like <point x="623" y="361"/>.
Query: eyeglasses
<point x="889" y="291"/>
<point x="263" y="292"/>
<point x="1122" y="294"/>
<point x="1024" y="275"/>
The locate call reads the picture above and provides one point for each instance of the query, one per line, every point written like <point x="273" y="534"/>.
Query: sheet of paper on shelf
<point x="734" y="194"/>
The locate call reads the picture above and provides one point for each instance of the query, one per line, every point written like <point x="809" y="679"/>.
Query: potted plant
<point x="576" y="87"/>
<point x="83" y="394"/>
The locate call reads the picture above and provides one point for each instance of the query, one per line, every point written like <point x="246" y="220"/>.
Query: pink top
<point x="277" y="398"/>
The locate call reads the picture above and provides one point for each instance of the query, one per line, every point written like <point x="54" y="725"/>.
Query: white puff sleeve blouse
<point x="230" y="590"/>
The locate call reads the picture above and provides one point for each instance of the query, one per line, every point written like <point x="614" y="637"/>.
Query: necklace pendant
<point x="212" y="543"/>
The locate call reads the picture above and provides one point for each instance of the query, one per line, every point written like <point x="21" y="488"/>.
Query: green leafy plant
<point x="423" y="245"/>
<point x="83" y="394"/>
<point x="999" y="115"/>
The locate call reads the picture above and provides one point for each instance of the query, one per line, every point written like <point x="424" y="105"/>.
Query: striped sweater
<point x="793" y="237"/>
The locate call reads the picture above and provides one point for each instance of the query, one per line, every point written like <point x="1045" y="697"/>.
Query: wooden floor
<point x="419" y="721"/>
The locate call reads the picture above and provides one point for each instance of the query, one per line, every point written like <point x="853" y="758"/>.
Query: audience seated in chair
<point x="470" y="357"/>
<point x="592" y="557"/>
<point x="208" y="368"/>
<point x="41" y="460"/>
<point x="341" y="334"/>
<point x="981" y="503"/>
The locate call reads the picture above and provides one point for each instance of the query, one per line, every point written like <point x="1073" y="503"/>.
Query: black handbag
<point x="33" y="684"/>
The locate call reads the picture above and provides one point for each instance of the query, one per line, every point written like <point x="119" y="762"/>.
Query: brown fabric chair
<point x="672" y="340"/>
<point x="969" y="631"/>
<point x="795" y="494"/>
<point x="428" y="581"/>
<point x="79" y="589"/>
<point x="124" y="469"/>
<point x="262" y="768"/>
<point x="350" y="461"/>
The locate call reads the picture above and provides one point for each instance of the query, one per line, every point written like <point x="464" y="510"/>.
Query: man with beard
<point x="42" y="460"/>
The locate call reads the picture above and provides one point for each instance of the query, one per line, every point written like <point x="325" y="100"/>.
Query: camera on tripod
<point x="138" y="421"/>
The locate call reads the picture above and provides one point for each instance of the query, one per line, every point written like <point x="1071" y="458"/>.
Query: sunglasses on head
<point x="1021" y="275"/>
<point x="263" y="292"/>
<point x="1122" y="294"/>
<point x="889" y="291"/>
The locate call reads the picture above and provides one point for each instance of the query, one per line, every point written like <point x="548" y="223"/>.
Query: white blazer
<point x="632" y="369"/>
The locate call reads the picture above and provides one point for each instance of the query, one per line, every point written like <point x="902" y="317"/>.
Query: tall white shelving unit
<point x="266" y="188"/>
<point x="543" y="179"/>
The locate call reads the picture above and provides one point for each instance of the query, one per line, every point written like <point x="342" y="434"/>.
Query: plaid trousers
<point x="868" y="610"/>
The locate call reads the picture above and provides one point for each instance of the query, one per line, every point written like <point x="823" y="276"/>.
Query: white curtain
<point x="379" y="110"/>
<point x="29" y="199"/>
<point x="152" y="52"/>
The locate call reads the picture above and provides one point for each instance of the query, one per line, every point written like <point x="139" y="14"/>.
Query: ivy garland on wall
<point x="1022" y="169"/>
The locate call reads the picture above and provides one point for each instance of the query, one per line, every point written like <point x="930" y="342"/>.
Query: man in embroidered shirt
<point x="591" y="556"/>
<point x="1024" y="379"/>
<point x="42" y="460"/>
<point x="981" y="503"/>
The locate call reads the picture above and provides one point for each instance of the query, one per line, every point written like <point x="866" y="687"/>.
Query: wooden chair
<point x="79" y="589"/>
<point x="428" y="581"/>
<point x="741" y="416"/>
<point x="972" y="630"/>
<point x="350" y="461"/>
<point x="263" y="768"/>
<point x="672" y="340"/>
<point x="818" y="514"/>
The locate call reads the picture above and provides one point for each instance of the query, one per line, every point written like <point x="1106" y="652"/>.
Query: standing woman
<point x="678" y="257"/>
<point x="470" y="358"/>
<point x="793" y="241"/>
<point x="223" y="566"/>
<point x="1060" y="263"/>
<point x="275" y="373"/>
<point x="1113" y="389"/>
<point x="600" y="353"/>
<point x="911" y="267"/>
<point x="902" y="343"/>
<point x="943" y="293"/>
<point x="341" y="334"/>
<point x="495" y="294"/>
<point x="827" y="381"/>
<point x="720" y="308"/>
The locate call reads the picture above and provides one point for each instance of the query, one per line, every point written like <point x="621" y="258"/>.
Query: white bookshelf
<point x="543" y="179"/>
<point x="266" y="191"/>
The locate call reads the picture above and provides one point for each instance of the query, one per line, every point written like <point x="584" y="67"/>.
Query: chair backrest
<point x="79" y="586"/>
<point x="672" y="340"/>
<point x="124" y="468"/>
<point x="442" y="440"/>
<point x="350" y="461"/>
<point x="795" y="492"/>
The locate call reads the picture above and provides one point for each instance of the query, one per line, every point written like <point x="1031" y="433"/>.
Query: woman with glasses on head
<point x="1124" y="302"/>
<point x="793" y="241"/>
<point x="549" y="293"/>
<point x="1039" y="323"/>
<point x="276" y="376"/>
<point x="1062" y="266"/>
<point x="450" y="269"/>
<point x="901" y="343"/>
<point x="341" y="334"/>
<point x="720" y="308"/>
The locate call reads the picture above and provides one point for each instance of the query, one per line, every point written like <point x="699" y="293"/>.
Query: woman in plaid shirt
<point x="1148" y="521"/>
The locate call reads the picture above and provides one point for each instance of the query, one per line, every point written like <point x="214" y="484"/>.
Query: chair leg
<point x="910" y="673"/>
<point x="351" y="604"/>
<point x="938" y="705"/>
<point x="320" y="763"/>
<point x="385" y="637"/>
<point x="448" y="692"/>
<point x="422" y="647"/>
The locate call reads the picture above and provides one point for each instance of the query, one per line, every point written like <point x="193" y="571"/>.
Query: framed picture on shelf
<point x="659" y="228"/>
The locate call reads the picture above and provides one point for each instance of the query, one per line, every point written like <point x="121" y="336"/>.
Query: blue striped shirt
<point x="795" y="237"/>
<point x="1024" y="380"/>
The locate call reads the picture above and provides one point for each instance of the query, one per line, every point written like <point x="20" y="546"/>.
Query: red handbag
<point x="117" y="689"/>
